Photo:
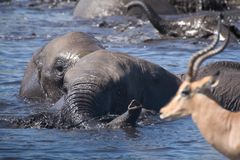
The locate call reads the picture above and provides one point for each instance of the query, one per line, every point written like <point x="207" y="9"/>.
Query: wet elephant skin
<point x="44" y="74"/>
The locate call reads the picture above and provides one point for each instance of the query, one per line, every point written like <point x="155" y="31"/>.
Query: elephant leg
<point x="129" y="118"/>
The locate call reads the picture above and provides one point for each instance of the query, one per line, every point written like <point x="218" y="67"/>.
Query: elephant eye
<point x="59" y="67"/>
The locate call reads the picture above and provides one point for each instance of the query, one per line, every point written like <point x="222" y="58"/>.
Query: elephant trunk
<point x="153" y="17"/>
<point x="129" y="118"/>
<point x="80" y="104"/>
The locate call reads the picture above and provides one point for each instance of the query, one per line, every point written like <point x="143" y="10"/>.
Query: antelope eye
<point x="185" y="91"/>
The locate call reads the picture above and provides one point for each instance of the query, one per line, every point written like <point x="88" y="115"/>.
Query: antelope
<point x="218" y="126"/>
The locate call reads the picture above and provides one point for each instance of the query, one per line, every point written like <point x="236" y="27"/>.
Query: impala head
<point x="188" y="93"/>
<point x="184" y="101"/>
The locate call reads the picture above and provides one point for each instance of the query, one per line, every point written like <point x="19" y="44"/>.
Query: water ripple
<point x="23" y="30"/>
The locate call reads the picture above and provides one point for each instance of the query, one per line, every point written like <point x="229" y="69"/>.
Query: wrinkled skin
<point x="227" y="92"/>
<point x="100" y="8"/>
<point x="189" y="26"/>
<point x="43" y="77"/>
<point x="107" y="82"/>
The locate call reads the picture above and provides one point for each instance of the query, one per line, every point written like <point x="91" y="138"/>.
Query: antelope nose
<point x="162" y="113"/>
<point x="161" y="116"/>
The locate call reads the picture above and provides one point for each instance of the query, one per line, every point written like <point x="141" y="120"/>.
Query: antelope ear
<point x="208" y="82"/>
<point x="213" y="81"/>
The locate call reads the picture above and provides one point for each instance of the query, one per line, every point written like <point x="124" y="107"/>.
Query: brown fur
<point x="218" y="126"/>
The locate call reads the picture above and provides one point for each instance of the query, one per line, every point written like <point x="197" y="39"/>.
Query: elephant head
<point x="43" y="77"/>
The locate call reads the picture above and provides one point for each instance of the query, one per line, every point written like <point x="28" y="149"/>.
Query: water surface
<point x="23" y="30"/>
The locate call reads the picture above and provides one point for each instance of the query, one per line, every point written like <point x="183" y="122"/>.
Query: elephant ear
<point x="37" y="58"/>
<point x="30" y="85"/>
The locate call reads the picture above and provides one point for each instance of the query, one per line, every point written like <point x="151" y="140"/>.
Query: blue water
<point x="23" y="30"/>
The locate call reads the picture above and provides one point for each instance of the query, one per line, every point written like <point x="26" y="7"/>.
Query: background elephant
<point x="108" y="81"/>
<point x="186" y="6"/>
<point x="227" y="92"/>
<point x="100" y="8"/>
<point x="189" y="26"/>
<point x="43" y="77"/>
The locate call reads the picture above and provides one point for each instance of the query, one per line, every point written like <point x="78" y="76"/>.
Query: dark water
<point x="23" y="30"/>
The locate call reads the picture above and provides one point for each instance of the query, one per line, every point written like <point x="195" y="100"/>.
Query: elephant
<point x="189" y="26"/>
<point x="227" y="92"/>
<point x="105" y="82"/>
<point x="102" y="84"/>
<point x="101" y="8"/>
<point x="187" y="6"/>
<point x="43" y="77"/>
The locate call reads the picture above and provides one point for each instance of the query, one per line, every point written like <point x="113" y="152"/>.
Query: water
<point x="23" y="30"/>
